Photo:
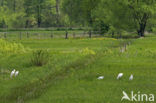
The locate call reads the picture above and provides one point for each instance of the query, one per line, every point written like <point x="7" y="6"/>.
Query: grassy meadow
<point x="70" y="75"/>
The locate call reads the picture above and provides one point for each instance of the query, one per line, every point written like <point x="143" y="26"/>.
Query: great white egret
<point x="119" y="75"/>
<point x="131" y="77"/>
<point x="101" y="77"/>
<point x="12" y="73"/>
<point x="16" y="73"/>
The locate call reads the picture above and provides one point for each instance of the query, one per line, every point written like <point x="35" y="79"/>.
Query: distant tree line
<point x="101" y="15"/>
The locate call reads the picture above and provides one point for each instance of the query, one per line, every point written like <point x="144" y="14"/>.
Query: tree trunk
<point x="39" y="21"/>
<point x="38" y="16"/>
<point x="112" y="34"/>
<point x="90" y="19"/>
<point x="2" y="2"/>
<point x="141" y="31"/>
<point x="14" y="6"/>
<point x="57" y="12"/>
<point x="142" y="25"/>
<point x="26" y="23"/>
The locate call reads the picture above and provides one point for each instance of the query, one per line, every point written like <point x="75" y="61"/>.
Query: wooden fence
<point x="48" y="35"/>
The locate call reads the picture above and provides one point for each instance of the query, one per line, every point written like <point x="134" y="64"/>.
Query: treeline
<point x="30" y="13"/>
<point x="112" y="16"/>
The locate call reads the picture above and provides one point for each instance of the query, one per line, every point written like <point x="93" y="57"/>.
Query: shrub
<point x="40" y="57"/>
<point x="10" y="48"/>
<point x="87" y="51"/>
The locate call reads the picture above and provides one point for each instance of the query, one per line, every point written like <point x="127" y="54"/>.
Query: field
<point x="70" y="76"/>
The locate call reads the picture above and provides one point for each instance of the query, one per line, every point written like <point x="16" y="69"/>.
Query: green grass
<point x="71" y="75"/>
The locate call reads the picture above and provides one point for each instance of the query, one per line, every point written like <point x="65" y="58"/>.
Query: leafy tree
<point x="131" y="14"/>
<point x="28" y="5"/>
<point x="142" y="11"/>
<point x="39" y="7"/>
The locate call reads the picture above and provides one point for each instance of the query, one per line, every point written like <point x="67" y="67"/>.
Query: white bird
<point x="12" y="73"/>
<point x="131" y="77"/>
<point x="16" y="73"/>
<point x="101" y="77"/>
<point x="119" y="75"/>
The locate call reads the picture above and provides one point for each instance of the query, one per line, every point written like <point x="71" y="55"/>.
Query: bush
<point x="87" y="51"/>
<point x="40" y="57"/>
<point x="10" y="48"/>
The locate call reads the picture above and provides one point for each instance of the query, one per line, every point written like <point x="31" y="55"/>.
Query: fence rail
<point x="47" y="35"/>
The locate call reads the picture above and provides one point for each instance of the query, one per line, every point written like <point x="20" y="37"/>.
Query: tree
<point x="142" y="12"/>
<point x="39" y="6"/>
<point x="131" y="14"/>
<point x="29" y="10"/>
<point x="73" y="8"/>
<point x="35" y="10"/>
<point x="57" y="11"/>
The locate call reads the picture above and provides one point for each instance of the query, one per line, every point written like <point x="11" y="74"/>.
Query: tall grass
<point x="40" y="57"/>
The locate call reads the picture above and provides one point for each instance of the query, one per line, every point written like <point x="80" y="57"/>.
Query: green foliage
<point x="132" y="15"/>
<point x="80" y="12"/>
<point x="40" y="57"/>
<point x="2" y="24"/>
<point x="17" y="20"/>
<point x="87" y="51"/>
<point x="101" y="27"/>
<point x="11" y="48"/>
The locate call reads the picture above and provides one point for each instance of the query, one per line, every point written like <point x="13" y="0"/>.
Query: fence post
<point x="5" y="36"/>
<point x="27" y="35"/>
<point x="84" y="33"/>
<point x="51" y="35"/>
<point x="112" y="34"/>
<point x="90" y="34"/>
<point x="66" y="36"/>
<point x="39" y="37"/>
<point x="120" y="35"/>
<point x="74" y="35"/>
<point x="20" y="35"/>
